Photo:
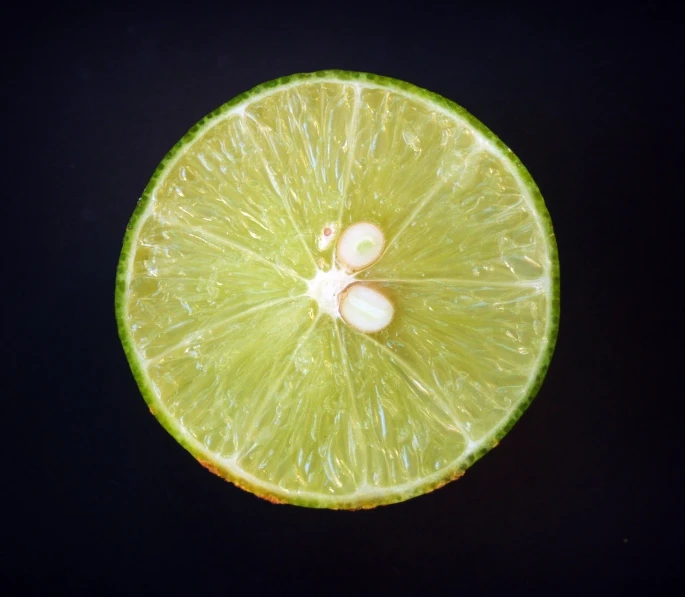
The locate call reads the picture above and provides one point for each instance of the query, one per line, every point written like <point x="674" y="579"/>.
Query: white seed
<point x="359" y="245"/>
<point x="326" y="236"/>
<point x="366" y="309"/>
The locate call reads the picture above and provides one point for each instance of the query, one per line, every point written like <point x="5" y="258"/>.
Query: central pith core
<point x="337" y="291"/>
<point x="326" y="287"/>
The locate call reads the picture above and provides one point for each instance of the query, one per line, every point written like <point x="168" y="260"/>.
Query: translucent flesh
<point x="240" y="357"/>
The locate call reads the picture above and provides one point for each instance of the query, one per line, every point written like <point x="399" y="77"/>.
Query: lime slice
<point x="339" y="290"/>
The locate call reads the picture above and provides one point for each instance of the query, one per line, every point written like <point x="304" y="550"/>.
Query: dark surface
<point x="583" y="491"/>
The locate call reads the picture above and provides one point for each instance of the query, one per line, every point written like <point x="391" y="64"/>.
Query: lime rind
<point x="370" y="497"/>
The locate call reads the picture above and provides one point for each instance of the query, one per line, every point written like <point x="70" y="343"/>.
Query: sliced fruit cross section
<point x="339" y="290"/>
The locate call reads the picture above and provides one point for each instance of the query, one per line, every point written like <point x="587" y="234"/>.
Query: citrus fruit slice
<point x="339" y="290"/>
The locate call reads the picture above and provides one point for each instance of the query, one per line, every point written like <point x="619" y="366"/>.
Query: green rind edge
<point x="361" y="502"/>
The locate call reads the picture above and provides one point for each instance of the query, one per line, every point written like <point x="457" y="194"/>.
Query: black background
<point x="582" y="494"/>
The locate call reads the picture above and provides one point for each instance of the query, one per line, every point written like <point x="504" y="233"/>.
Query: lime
<point x="339" y="290"/>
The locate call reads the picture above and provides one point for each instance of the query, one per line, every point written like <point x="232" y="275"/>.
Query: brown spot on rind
<point x="272" y="499"/>
<point x="444" y="482"/>
<point x="211" y="468"/>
